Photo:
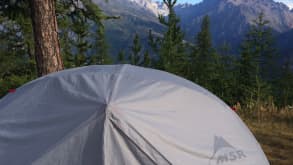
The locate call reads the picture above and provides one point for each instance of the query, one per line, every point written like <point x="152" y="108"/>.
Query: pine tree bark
<point x="47" y="47"/>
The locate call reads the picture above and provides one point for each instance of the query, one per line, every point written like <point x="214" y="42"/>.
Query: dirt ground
<point x="276" y="139"/>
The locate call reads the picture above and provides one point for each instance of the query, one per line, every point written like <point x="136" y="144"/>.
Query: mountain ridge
<point x="231" y="19"/>
<point x="134" y="18"/>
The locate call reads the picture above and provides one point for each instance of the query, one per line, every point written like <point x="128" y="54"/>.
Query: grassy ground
<point x="274" y="131"/>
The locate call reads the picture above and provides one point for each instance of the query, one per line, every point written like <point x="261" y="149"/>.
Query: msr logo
<point x="225" y="153"/>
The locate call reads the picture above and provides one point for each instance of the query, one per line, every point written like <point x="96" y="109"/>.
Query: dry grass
<point x="273" y="128"/>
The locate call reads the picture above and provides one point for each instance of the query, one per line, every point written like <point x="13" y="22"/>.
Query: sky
<point x="287" y="2"/>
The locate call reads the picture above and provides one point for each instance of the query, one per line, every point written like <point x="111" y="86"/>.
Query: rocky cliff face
<point x="136" y="16"/>
<point x="230" y="19"/>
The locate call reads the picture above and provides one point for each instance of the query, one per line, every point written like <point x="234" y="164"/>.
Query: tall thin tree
<point x="256" y="61"/>
<point x="172" y="49"/>
<point x="135" y="55"/>
<point x="47" y="48"/>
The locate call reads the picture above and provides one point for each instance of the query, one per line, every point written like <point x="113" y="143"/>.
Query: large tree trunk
<point x="47" y="48"/>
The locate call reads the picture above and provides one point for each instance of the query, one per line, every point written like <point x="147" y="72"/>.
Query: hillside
<point x="136" y="16"/>
<point x="230" y="19"/>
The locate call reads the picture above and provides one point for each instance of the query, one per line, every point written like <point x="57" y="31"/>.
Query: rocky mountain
<point x="230" y="19"/>
<point x="155" y="7"/>
<point x="136" y="16"/>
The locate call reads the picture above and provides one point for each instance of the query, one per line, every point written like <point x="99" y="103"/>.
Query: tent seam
<point x="132" y="141"/>
<point x="108" y="100"/>
<point x="116" y="82"/>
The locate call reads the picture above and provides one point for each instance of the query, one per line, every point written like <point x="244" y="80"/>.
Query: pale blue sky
<point x="288" y="2"/>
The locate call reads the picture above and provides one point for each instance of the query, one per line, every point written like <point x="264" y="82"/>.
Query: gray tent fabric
<point x="121" y="115"/>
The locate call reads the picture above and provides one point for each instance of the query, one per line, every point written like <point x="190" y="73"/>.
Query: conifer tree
<point x="247" y="74"/>
<point x="172" y="49"/>
<point x="84" y="10"/>
<point x="284" y="90"/>
<point x="204" y="43"/>
<point x="257" y="59"/>
<point x="65" y="41"/>
<point x="226" y="84"/>
<point x="261" y="38"/>
<point x="154" y="46"/>
<point x="47" y="47"/>
<point x="153" y="42"/>
<point x="135" y="51"/>
<point x="100" y="54"/>
<point x="121" y="57"/>
<point x="17" y="44"/>
<point x="204" y="59"/>
<point x="46" y="44"/>
<point x="147" y="59"/>
<point x="85" y="31"/>
<point x="79" y="40"/>
<point x="17" y="64"/>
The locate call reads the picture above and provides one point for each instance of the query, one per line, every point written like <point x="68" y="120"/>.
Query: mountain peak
<point x="230" y="19"/>
<point x="154" y="7"/>
<point x="268" y="3"/>
<point x="184" y="5"/>
<point x="277" y="13"/>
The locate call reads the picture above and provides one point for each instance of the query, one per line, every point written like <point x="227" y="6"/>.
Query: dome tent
<point x="121" y="115"/>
